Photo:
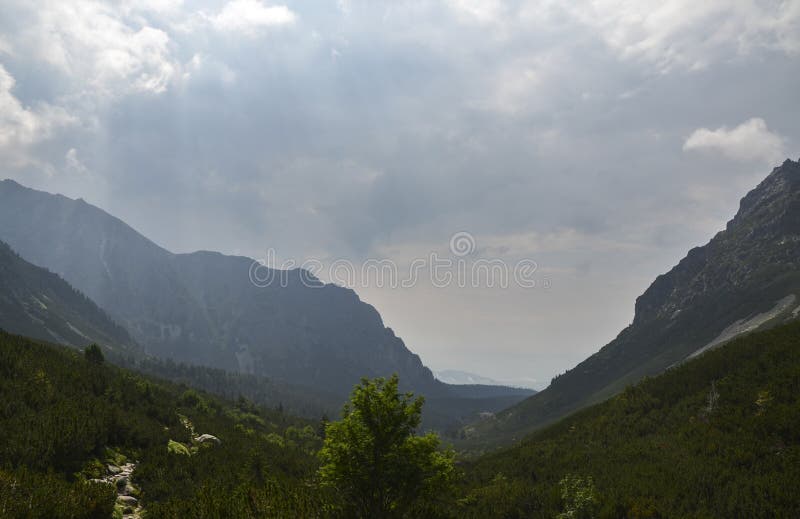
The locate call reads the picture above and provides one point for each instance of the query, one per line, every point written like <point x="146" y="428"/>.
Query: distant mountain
<point x="454" y="376"/>
<point x="746" y="278"/>
<point x="202" y="307"/>
<point x="458" y="377"/>
<point x="39" y="304"/>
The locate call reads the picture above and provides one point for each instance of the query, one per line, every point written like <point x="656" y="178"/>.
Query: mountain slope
<point x="40" y="304"/>
<point x="718" y="436"/>
<point x="202" y="307"/>
<point x="746" y="277"/>
<point x="66" y="419"/>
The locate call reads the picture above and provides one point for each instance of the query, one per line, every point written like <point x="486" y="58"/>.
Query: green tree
<point x="94" y="354"/>
<point x="375" y="463"/>
<point x="579" y="496"/>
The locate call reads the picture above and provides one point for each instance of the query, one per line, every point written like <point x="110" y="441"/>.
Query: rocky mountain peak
<point x="775" y="198"/>
<point x="765" y="233"/>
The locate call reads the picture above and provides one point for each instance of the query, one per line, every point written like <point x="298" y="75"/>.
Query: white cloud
<point x="514" y="87"/>
<point x="16" y="123"/>
<point x="481" y="11"/>
<point x="154" y="6"/>
<point x="691" y="34"/>
<point x="205" y="67"/>
<point x="251" y="16"/>
<point x="74" y="164"/>
<point x="96" y="46"/>
<point x="751" y="140"/>
<point x="21" y="125"/>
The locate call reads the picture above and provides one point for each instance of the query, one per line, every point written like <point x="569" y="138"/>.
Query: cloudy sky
<point x="599" y="138"/>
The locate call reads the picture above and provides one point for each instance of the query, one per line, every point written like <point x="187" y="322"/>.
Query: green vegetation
<point x="94" y="355"/>
<point x="715" y="437"/>
<point x="291" y="398"/>
<point x="376" y="465"/>
<point x="64" y="417"/>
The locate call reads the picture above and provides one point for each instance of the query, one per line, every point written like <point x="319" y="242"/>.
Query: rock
<point x="127" y="500"/>
<point x="113" y="469"/>
<point x="208" y="438"/>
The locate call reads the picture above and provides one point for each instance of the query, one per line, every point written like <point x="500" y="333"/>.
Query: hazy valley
<point x="305" y="346"/>
<point x="428" y="259"/>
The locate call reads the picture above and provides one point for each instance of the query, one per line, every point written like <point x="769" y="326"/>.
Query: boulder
<point x="208" y="438"/>
<point x="127" y="500"/>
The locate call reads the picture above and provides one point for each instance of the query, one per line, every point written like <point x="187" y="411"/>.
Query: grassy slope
<point x="656" y="450"/>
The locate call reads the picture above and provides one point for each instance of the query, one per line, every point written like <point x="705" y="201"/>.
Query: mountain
<point x="454" y="376"/>
<point x="718" y="436"/>
<point x="203" y="309"/>
<point x="747" y="277"/>
<point x="458" y="377"/>
<point x="38" y="303"/>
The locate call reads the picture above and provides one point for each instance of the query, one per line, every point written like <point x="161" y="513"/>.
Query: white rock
<point x="204" y="438"/>
<point x="128" y="500"/>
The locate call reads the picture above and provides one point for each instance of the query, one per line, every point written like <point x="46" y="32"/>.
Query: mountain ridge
<point x="743" y="271"/>
<point x="184" y="305"/>
<point x="202" y="309"/>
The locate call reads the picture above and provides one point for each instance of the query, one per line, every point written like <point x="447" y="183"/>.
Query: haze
<point x="601" y="139"/>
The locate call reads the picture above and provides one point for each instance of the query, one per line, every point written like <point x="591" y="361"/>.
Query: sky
<point x="597" y="140"/>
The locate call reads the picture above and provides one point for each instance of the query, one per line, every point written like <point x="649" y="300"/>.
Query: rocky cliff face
<point x="202" y="308"/>
<point x="761" y="240"/>
<point x="747" y="277"/>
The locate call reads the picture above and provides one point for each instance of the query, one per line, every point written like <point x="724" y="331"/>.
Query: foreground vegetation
<point x="715" y="437"/>
<point x="65" y="416"/>
<point x="375" y="464"/>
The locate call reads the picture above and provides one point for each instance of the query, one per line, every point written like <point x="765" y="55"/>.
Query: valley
<point x="692" y="410"/>
<point x="426" y="259"/>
